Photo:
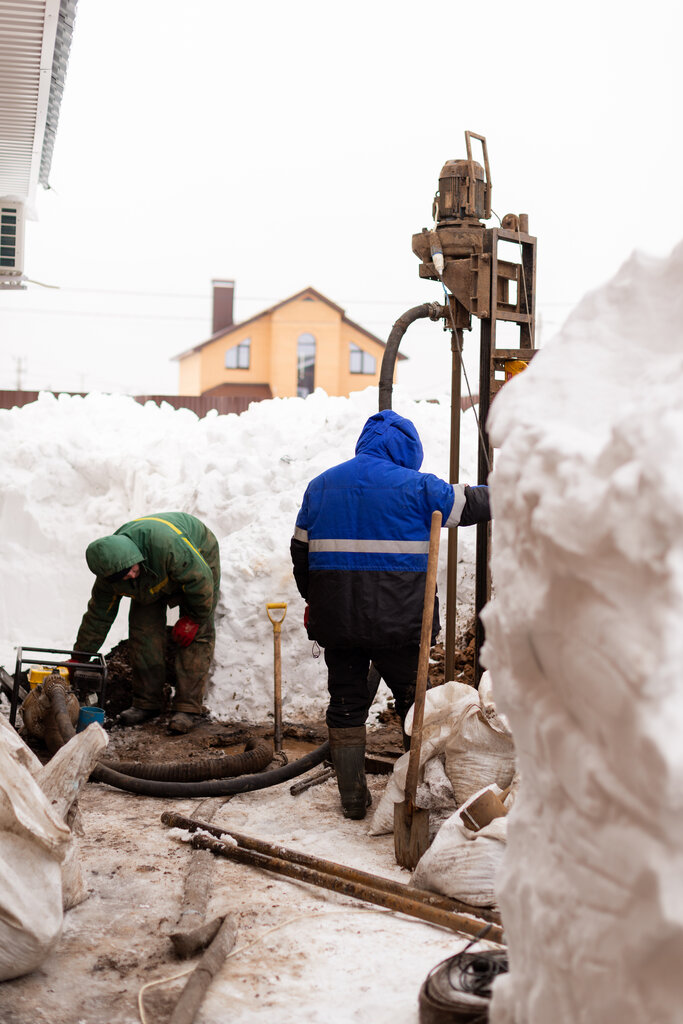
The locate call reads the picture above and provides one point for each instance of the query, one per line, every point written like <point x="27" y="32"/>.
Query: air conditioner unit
<point x="12" y="216"/>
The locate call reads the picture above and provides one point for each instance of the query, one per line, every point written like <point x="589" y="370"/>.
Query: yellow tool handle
<point x="277" y="605"/>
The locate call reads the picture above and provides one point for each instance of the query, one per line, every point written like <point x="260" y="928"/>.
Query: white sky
<point x="288" y="145"/>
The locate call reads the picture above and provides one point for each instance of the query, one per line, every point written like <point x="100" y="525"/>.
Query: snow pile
<point x="74" y="469"/>
<point x="585" y="646"/>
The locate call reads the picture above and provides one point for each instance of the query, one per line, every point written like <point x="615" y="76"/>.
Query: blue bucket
<point x="87" y="715"/>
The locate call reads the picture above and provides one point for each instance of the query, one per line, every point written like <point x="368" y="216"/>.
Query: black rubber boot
<point x="136" y="716"/>
<point x="347" y="750"/>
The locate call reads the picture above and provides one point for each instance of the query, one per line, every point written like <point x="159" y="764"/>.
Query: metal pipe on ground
<point x="355" y="875"/>
<point x="399" y="904"/>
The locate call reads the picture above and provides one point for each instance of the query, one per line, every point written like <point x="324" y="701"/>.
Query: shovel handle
<point x="273" y="606"/>
<point x="423" y="660"/>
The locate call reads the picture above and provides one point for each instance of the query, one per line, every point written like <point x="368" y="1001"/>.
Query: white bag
<point x="32" y="845"/>
<point x="40" y="866"/>
<point x="444" y="707"/>
<point x="463" y="864"/>
<point x="481" y="750"/>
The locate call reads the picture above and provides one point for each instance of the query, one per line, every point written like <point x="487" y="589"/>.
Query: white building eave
<point x="35" y="38"/>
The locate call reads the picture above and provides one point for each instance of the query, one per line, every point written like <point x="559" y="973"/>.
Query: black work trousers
<point x="347" y="681"/>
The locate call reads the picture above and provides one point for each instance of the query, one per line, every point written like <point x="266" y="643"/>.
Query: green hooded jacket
<point x="179" y="563"/>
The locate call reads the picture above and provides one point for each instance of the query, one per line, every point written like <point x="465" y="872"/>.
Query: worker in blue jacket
<point x="359" y="553"/>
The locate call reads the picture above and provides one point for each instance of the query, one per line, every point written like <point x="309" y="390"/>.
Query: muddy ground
<point x="329" y="958"/>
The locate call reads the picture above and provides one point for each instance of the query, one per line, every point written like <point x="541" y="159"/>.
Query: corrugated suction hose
<point x="256" y="755"/>
<point x="211" y="787"/>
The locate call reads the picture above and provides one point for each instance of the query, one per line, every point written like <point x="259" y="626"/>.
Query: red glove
<point x="184" y="631"/>
<point x="72" y="664"/>
<point x="307" y="612"/>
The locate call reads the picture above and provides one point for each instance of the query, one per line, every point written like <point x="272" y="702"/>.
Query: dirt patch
<point x="213" y="737"/>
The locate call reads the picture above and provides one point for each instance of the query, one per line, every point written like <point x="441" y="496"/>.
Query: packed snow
<point x="75" y="469"/>
<point x="584" y="643"/>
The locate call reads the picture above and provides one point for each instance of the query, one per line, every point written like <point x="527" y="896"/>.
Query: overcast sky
<point x="286" y="145"/>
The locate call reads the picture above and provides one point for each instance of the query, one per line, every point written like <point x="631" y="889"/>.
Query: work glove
<point x="184" y="631"/>
<point x="307" y="612"/>
<point x="73" y="663"/>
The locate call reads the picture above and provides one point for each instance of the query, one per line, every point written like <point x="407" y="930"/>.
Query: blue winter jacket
<point x="362" y="536"/>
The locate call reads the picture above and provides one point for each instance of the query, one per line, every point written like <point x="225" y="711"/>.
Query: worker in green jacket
<point x="164" y="560"/>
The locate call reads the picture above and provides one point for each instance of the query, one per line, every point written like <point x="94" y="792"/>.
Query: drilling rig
<point x="488" y="273"/>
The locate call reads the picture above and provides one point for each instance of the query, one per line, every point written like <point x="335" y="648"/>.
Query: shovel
<point x="280" y="606"/>
<point x="411" y="823"/>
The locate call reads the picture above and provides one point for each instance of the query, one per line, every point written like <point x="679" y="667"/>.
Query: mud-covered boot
<point x="347" y="751"/>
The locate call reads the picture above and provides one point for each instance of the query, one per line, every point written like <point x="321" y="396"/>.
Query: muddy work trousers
<point x="147" y="646"/>
<point x="347" y="681"/>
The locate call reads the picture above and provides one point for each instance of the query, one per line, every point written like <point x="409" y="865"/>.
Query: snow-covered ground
<point x="74" y="469"/>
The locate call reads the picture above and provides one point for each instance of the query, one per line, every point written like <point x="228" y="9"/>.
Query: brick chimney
<point x="223" y="294"/>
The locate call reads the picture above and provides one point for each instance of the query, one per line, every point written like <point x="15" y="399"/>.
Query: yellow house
<point x="302" y="343"/>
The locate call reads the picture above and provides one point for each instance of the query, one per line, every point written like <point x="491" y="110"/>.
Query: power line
<point x="206" y="296"/>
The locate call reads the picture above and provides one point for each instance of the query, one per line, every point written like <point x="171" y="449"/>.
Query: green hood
<point x="112" y="554"/>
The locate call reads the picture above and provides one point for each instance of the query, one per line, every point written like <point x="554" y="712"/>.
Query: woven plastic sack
<point x="41" y="868"/>
<point x="463" y="864"/>
<point x="32" y="845"/>
<point x="481" y="750"/>
<point x="445" y="706"/>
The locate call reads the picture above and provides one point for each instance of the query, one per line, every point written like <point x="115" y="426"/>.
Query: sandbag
<point x="444" y="707"/>
<point x="463" y="864"/>
<point x="480" y="750"/>
<point x="40" y="864"/>
<point x="33" y="841"/>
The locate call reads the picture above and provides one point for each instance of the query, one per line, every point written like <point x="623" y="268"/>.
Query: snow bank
<point x="585" y="646"/>
<point x="74" y="469"/>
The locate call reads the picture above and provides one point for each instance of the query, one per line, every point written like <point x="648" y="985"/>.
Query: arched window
<point x="305" y="365"/>
<point x="237" y="357"/>
<point x="360" y="361"/>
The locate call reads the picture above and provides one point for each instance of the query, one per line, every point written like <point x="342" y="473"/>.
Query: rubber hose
<point x="212" y="787"/>
<point x="57" y="695"/>
<point x="255" y="757"/>
<point x="386" y="375"/>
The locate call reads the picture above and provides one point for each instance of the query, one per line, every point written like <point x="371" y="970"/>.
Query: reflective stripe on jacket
<point x="362" y="535"/>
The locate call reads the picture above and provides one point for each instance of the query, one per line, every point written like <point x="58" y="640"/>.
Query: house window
<point x="360" y="361"/>
<point x="237" y="357"/>
<point x="8" y="237"/>
<point x="305" y="365"/>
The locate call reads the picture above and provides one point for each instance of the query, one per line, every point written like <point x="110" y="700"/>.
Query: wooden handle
<point x="423" y="661"/>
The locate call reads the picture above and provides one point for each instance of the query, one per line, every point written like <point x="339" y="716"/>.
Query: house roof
<point x="35" y="39"/>
<point x="313" y="293"/>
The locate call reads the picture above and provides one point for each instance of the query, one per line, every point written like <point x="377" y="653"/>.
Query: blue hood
<point x="390" y="436"/>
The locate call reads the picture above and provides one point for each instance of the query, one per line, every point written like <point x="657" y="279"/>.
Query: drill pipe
<point x="349" y="881"/>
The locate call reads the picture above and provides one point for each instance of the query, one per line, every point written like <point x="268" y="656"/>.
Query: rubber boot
<point x="136" y="716"/>
<point x="347" y="750"/>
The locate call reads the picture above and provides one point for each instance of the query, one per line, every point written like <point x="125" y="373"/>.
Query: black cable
<point x="458" y="990"/>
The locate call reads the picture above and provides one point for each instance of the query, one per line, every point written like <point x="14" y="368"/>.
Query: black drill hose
<point x="386" y="374"/>
<point x="255" y="757"/>
<point x="211" y="787"/>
